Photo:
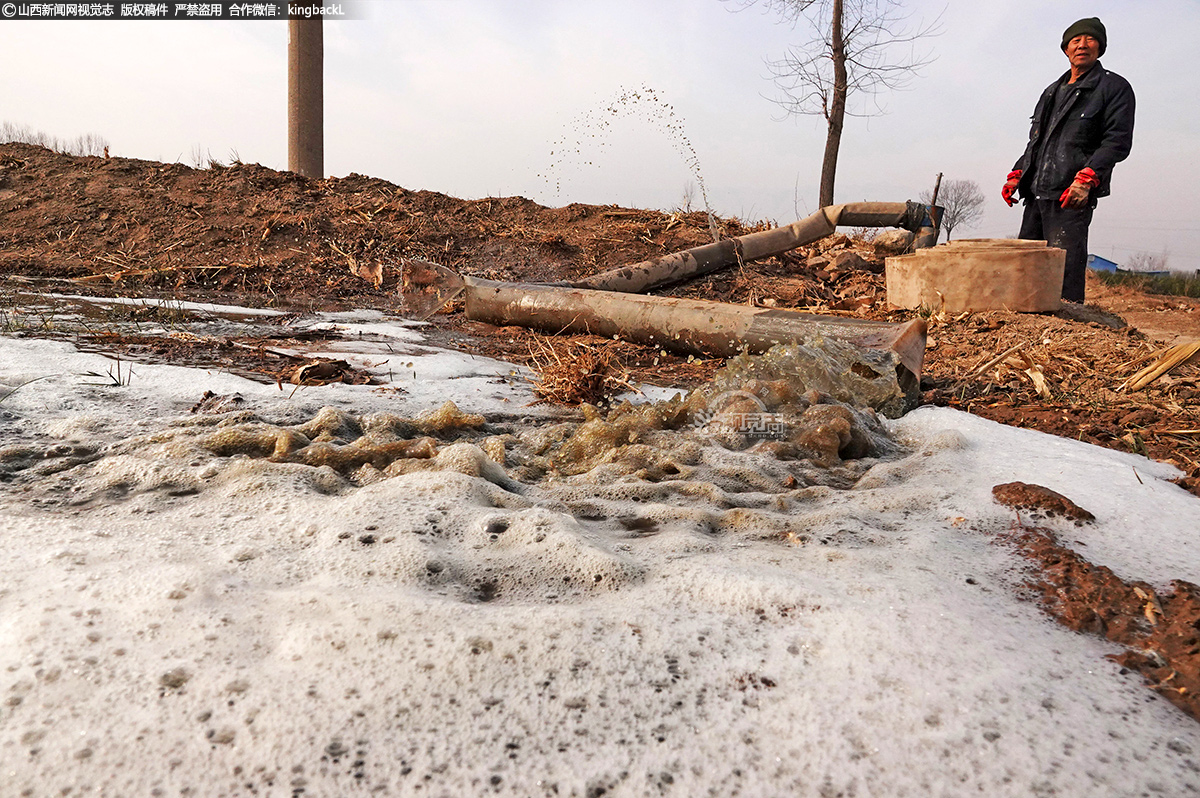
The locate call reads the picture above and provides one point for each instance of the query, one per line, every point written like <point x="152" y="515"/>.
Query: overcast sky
<point x="481" y="98"/>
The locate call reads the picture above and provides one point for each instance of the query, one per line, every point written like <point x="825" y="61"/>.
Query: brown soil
<point x="121" y="224"/>
<point x="1023" y="496"/>
<point x="245" y="234"/>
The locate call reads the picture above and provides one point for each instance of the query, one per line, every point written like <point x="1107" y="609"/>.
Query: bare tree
<point x="688" y="198"/>
<point x="88" y="144"/>
<point x="1148" y="262"/>
<point x="856" y="47"/>
<point x="962" y="201"/>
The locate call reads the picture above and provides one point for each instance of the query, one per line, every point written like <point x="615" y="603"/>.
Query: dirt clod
<point x="1022" y="496"/>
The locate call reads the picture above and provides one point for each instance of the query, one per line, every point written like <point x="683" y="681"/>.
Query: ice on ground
<point x="363" y="322"/>
<point x="174" y="620"/>
<point x="173" y="304"/>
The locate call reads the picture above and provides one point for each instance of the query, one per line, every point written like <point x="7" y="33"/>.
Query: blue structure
<point x="1099" y="264"/>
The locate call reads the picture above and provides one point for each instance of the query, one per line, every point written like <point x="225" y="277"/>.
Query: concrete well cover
<point x="978" y="274"/>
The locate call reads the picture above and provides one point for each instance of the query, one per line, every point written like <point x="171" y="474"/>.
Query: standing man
<point x="1082" y="127"/>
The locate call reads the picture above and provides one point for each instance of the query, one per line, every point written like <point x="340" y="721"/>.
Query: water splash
<point x="643" y="103"/>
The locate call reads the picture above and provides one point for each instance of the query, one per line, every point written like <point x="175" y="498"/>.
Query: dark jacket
<point x="1095" y="128"/>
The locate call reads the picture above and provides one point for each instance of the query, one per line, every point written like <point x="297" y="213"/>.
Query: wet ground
<point x="263" y="344"/>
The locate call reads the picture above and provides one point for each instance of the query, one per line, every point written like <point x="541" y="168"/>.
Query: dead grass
<point x="1174" y="284"/>
<point x="574" y="373"/>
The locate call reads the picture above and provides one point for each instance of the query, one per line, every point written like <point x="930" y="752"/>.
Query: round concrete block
<point x="978" y="274"/>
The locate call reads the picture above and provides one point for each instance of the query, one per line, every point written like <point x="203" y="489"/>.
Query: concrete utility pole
<point x="306" y="97"/>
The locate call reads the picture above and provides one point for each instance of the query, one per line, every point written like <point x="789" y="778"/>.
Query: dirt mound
<point x="122" y="223"/>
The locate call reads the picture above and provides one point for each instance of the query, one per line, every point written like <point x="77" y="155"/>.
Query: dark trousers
<point x="1066" y="228"/>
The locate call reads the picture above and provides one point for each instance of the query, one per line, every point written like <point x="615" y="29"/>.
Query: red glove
<point x="1010" y="188"/>
<point x="1076" y="195"/>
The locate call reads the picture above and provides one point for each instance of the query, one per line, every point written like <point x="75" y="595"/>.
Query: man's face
<point x="1083" y="51"/>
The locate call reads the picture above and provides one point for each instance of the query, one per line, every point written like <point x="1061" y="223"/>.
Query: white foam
<point x="1146" y="526"/>
<point x="282" y="629"/>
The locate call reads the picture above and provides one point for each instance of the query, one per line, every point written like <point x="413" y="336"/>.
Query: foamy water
<point x="174" y="621"/>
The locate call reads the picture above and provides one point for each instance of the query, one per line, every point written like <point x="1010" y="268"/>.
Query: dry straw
<point x="573" y="373"/>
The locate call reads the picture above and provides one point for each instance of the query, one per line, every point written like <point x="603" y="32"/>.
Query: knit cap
<point x="1092" y="26"/>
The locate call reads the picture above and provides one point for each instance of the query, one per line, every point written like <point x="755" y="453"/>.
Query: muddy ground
<point x="244" y="234"/>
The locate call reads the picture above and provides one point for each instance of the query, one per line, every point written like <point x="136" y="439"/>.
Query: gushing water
<point x="642" y="103"/>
